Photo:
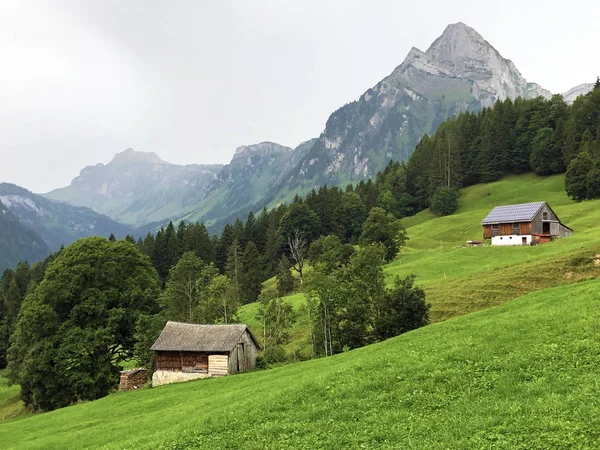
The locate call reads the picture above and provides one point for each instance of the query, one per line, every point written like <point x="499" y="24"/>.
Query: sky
<point x="192" y="80"/>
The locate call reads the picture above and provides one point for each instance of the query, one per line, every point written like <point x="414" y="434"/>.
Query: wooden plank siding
<point x="176" y="361"/>
<point x="487" y="231"/>
<point x="506" y="229"/>
<point x="525" y="228"/>
<point x="218" y="364"/>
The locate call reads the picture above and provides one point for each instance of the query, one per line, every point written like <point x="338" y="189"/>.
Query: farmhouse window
<point x="495" y="230"/>
<point x="516" y="228"/>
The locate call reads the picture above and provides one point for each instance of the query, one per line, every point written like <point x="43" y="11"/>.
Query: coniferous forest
<point x="66" y="319"/>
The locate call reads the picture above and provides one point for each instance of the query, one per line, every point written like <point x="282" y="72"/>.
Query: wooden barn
<point x="186" y="351"/>
<point x="523" y="224"/>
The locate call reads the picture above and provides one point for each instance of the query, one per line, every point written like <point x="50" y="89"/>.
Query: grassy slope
<point x="10" y="405"/>
<point x="523" y="375"/>
<point x="459" y="280"/>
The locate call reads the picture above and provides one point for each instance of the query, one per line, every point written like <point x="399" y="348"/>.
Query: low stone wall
<point x="161" y="377"/>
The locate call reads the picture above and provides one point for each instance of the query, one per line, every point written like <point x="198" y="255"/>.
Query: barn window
<point x="545" y="216"/>
<point x="516" y="228"/>
<point x="495" y="230"/>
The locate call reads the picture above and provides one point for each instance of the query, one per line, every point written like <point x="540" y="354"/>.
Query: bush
<point x="444" y="202"/>
<point x="261" y="363"/>
<point x="273" y="355"/>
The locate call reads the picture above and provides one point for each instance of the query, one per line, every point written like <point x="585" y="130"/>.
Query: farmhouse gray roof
<point x="524" y="212"/>
<point x="191" y="337"/>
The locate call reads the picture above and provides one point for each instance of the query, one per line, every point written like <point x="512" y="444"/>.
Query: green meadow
<point x="512" y="360"/>
<point x="523" y="375"/>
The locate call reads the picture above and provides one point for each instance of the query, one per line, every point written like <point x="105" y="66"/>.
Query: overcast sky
<point x="192" y="80"/>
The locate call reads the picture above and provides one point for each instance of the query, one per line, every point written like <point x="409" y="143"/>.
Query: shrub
<point x="444" y="201"/>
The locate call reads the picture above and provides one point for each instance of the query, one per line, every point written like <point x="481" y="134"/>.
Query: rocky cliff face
<point x="459" y="72"/>
<point x="576" y="91"/>
<point x="138" y="187"/>
<point x="57" y="223"/>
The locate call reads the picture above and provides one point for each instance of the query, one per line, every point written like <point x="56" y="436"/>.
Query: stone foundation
<point x="161" y="377"/>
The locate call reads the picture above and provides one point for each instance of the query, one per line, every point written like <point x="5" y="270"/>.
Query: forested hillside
<point x="543" y="136"/>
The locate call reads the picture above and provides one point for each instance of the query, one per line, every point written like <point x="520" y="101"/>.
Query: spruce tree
<point x="285" y="279"/>
<point x="234" y="265"/>
<point x="251" y="276"/>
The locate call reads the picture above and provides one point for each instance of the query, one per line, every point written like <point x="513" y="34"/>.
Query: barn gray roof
<point x="523" y="212"/>
<point x="191" y="337"/>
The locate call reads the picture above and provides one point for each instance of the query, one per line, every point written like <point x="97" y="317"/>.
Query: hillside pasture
<point x="523" y="375"/>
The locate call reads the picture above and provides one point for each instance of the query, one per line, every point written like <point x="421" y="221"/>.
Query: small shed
<point x="132" y="379"/>
<point x="523" y="224"/>
<point x="187" y="351"/>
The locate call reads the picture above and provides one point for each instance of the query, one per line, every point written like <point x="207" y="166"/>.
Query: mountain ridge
<point x="57" y="223"/>
<point x="460" y="71"/>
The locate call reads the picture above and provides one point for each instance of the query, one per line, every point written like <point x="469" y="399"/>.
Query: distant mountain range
<point x="459" y="72"/>
<point x="138" y="187"/>
<point x="17" y="242"/>
<point x="32" y="226"/>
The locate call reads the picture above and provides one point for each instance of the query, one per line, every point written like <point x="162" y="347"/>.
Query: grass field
<point x="491" y="373"/>
<point x="459" y="279"/>
<point x="10" y="405"/>
<point x="523" y="375"/>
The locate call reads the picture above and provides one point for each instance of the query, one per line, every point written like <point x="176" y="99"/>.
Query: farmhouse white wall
<point x="511" y="239"/>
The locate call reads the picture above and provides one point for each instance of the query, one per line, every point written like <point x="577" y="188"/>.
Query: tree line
<point x="544" y="136"/>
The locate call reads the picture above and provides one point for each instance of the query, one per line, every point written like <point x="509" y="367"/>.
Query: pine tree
<point x="224" y="245"/>
<point x="593" y="179"/>
<point x="251" y="274"/>
<point x="234" y="265"/>
<point x="570" y="147"/>
<point x="285" y="279"/>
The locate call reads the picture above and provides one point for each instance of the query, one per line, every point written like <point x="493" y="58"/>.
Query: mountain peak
<point x="263" y="148"/>
<point x="130" y="155"/>
<point x="459" y="42"/>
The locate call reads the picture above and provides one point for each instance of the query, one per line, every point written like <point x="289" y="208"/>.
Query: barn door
<point x="241" y="357"/>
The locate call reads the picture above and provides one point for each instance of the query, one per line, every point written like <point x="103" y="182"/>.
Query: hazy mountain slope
<point x="245" y="183"/>
<point x="17" y="242"/>
<point x="459" y="72"/>
<point x="138" y="187"/>
<point x="58" y="223"/>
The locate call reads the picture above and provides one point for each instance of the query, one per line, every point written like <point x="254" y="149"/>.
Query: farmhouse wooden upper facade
<point x="197" y="351"/>
<point x="523" y="224"/>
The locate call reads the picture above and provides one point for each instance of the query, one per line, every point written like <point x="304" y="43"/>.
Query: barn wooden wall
<point x="245" y="354"/>
<point x="506" y="229"/>
<point x="177" y="361"/>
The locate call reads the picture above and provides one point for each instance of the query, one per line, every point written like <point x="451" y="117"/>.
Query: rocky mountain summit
<point x="459" y="72"/>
